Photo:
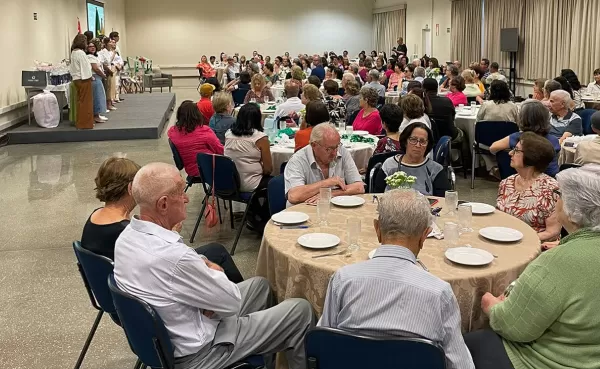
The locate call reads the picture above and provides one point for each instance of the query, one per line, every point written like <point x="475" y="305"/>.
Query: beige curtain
<point x="387" y="27"/>
<point x="500" y="14"/>
<point x="466" y="31"/>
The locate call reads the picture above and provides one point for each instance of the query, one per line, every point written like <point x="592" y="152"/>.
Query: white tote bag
<point x="46" y="110"/>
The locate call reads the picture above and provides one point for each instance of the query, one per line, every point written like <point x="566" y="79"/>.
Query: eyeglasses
<point x="415" y="141"/>
<point x="557" y="191"/>
<point x="329" y="150"/>
<point x="515" y="150"/>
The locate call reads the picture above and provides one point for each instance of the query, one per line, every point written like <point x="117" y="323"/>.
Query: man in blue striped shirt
<point x="391" y="294"/>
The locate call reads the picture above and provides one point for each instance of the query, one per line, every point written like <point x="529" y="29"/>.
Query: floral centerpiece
<point x="434" y="73"/>
<point x="400" y="180"/>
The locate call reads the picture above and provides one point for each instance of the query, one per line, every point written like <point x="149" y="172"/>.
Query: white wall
<point x="177" y="32"/>
<point x="422" y="13"/>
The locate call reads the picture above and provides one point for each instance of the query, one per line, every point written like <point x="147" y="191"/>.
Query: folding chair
<point x="486" y="133"/>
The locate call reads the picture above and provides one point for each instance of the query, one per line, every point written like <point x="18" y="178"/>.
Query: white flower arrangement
<point x="400" y="180"/>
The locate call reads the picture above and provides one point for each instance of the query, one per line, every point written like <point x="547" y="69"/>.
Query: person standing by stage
<point x="81" y="73"/>
<point x="98" y="94"/>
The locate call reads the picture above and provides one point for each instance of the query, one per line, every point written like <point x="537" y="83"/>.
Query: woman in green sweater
<point x="551" y="317"/>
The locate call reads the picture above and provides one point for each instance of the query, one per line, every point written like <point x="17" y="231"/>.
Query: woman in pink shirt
<point x="457" y="86"/>
<point x="396" y="78"/>
<point x="191" y="135"/>
<point x="368" y="118"/>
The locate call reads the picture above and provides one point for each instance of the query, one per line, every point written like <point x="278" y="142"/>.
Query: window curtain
<point x="466" y="31"/>
<point x="387" y="27"/>
<point x="500" y="14"/>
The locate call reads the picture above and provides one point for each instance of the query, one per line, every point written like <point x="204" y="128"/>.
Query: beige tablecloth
<point x="292" y="271"/>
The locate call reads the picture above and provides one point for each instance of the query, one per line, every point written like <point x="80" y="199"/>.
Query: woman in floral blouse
<point x="335" y="103"/>
<point x="531" y="195"/>
<point x="260" y="91"/>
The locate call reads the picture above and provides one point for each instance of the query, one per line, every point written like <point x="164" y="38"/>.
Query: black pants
<point x="487" y="350"/>
<point x="218" y="254"/>
<point x="258" y="214"/>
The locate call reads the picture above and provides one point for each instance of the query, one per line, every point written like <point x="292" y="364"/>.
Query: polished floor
<point x="46" y="195"/>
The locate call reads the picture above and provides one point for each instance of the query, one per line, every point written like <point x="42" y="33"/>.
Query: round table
<point x="292" y="272"/>
<point x="361" y="153"/>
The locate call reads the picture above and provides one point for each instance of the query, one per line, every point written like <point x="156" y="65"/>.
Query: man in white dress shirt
<point x="211" y="321"/>
<point x="392" y="294"/>
<point x="293" y="104"/>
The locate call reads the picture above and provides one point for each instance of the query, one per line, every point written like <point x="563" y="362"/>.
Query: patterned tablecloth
<point x="292" y="271"/>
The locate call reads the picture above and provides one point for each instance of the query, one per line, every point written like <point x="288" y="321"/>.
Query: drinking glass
<point x="465" y="215"/>
<point x="451" y="234"/>
<point x="451" y="201"/>
<point x="461" y="106"/>
<point x="322" y="211"/>
<point x="353" y="231"/>
<point x="349" y="130"/>
<point x="473" y="105"/>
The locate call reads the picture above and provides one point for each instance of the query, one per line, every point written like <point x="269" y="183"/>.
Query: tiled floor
<point x="47" y="193"/>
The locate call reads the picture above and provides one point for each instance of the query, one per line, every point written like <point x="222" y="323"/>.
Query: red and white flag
<point x="78" y="26"/>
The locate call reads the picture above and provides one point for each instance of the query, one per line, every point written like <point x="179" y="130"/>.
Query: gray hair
<point x="370" y="95"/>
<point x="374" y="74"/>
<point x="563" y="96"/>
<point x="254" y="68"/>
<point x="551" y="85"/>
<point x="453" y="69"/>
<point x="354" y="68"/>
<point x="419" y="72"/>
<point x="580" y="188"/>
<point x="403" y="213"/>
<point x="320" y="130"/>
<point x="153" y="181"/>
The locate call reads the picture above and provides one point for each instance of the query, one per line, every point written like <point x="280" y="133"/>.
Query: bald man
<point x="212" y="322"/>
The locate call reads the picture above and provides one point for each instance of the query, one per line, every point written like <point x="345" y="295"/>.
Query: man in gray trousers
<point x="211" y="321"/>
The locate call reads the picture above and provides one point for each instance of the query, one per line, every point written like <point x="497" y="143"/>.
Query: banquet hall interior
<point x="530" y="83"/>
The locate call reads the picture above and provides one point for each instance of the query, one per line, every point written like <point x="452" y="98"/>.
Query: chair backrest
<point x="435" y="130"/>
<point x="239" y="95"/>
<point x="227" y="179"/>
<point x="586" y="120"/>
<point x="377" y="158"/>
<point x="503" y="159"/>
<point x="568" y="166"/>
<point x="328" y="348"/>
<point x="94" y="270"/>
<point x="176" y="156"/>
<point x="471" y="99"/>
<point x="487" y="131"/>
<point x="276" y="194"/>
<point x="350" y="118"/>
<point x="441" y="152"/>
<point x="145" y="330"/>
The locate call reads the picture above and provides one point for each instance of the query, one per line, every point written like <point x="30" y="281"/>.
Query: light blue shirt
<point x="390" y="295"/>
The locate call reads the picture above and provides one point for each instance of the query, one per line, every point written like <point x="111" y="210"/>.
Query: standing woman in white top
<point x="112" y="63"/>
<point x="248" y="146"/>
<point x="81" y="73"/>
<point x="99" y="97"/>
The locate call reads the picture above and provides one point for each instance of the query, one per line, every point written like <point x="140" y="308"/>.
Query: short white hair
<point x="153" y="181"/>
<point x="320" y="130"/>
<point x="563" y="96"/>
<point x="420" y="72"/>
<point x="374" y="74"/>
<point x="580" y="193"/>
<point x="403" y="213"/>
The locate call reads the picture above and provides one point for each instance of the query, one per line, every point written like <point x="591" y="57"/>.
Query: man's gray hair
<point x="563" y="96"/>
<point x="403" y="213"/>
<point x="254" y="68"/>
<point x="374" y="74"/>
<point x="320" y="130"/>
<point x="580" y="189"/>
<point x="453" y="69"/>
<point x="354" y="68"/>
<point x="153" y="181"/>
<point x="420" y="72"/>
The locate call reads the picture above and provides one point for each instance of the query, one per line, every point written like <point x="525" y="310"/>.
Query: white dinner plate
<point x="469" y="256"/>
<point x="360" y="133"/>
<point x="501" y="234"/>
<point x="318" y="240"/>
<point x="347" y="201"/>
<point x="480" y="208"/>
<point x="465" y="114"/>
<point x="290" y="217"/>
<point x="372" y="253"/>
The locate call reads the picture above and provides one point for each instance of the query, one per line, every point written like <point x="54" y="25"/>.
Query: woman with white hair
<point x="550" y="318"/>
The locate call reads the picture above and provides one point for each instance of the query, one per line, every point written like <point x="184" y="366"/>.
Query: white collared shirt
<point x="593" y="87"/>
<point x="80" y="67"/>
<point x="153" y="264"/>
<point x="291" y="105"/>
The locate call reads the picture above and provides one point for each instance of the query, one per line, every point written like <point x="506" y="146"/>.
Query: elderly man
<point x="323" y="163"/>
<point x="419" y="74"/>
<point x="373" y="78"/>
<point x="293" y="104"/>
<point x="393" y="294"/>
<point x="212" y="322"/>
<point x="588" y="152"/>
<point x="494" y="74"/>
<point x="563" y="122"/>
<point x="233" y="69"/>
<point x="416" y="62"/>
<point x="317" y="69"/>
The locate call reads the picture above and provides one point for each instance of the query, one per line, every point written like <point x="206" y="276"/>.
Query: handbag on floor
<point x="210" y="214"/>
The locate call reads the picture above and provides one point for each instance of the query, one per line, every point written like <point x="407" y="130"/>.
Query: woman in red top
<point x="207" y="69"/>
<point x="191" y="135"/>
<point x="457" y="86"/>
<point x="368" y="118"/>
<point x="205" y="104"/>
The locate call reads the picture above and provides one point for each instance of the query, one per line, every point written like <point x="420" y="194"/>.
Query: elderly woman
<point x="549" y="87"/>
<point x="81" y="72"/>
<point x="416" y="141"/>
<point x="499" y="106"/>
<point x="99" y="94"/>
<point x="395" y="78"/>
<point x="391" y="117"/>
<point x="310" y="93"/>
<point x="223" y="119"/>
<point x="206" y="68"/>
<point x="530" y="194"/>
<point x="297" y="74"/>
<point x="471" y="88"/>
<point x="335" y="103"/>
<point x="316" y="113"/>
<point x="260" y="93"/>
<point x="451" y="73"/>
<point x="368" y="118"/>
<point x="248" y="146"/>
<point x="550" y="318"/>
<point x="414" y="111"/>
<point x="352" y="98"/>
<point x="533" y="117"/>
<point x="456" y="95"/>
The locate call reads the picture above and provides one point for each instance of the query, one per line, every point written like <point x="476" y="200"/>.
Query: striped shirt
<point x="390" y="295"/>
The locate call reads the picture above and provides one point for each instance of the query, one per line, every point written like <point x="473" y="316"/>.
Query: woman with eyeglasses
<point x="529" y="195"/>
<point x="416" y="141"/>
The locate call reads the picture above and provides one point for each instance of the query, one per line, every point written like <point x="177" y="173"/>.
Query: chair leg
<point x="231" y="213"/>
<point x="219" y="207"/>
<point x="474" y="155"/>
<point x="89" y="339"/>
<point x="239" y="231"/>
<point x="139" y="365"/>
<point x="204" y="202"/>
<point x="225" y="204"/>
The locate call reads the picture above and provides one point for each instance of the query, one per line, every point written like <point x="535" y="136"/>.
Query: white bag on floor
<point x="46" y="110"/>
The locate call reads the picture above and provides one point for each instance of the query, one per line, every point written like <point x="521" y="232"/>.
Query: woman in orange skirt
<point x="81" y="73"/>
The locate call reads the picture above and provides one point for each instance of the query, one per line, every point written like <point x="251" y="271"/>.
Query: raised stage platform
<point x="140" y="116"/>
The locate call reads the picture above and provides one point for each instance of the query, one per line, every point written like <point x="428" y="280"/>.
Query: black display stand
<point x="512" y="75"/>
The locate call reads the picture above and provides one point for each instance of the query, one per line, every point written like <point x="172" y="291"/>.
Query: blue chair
<point x="147" y="335"/>
<point x="329" y="348"/>
<point x="94" y="270"/>
<point x="442" y="156"/>
<point x="586" y="120"/>
<point x="374" y="165"/>
<point x="227" y="187"/>
<point x="503" y="159"/>
<point x="276" y="194"/>
<point x="486" y="133"/>
<point x="239" y="95"/>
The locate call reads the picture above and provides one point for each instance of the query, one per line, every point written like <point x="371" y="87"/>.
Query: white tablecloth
<point x="277" y="91"/>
